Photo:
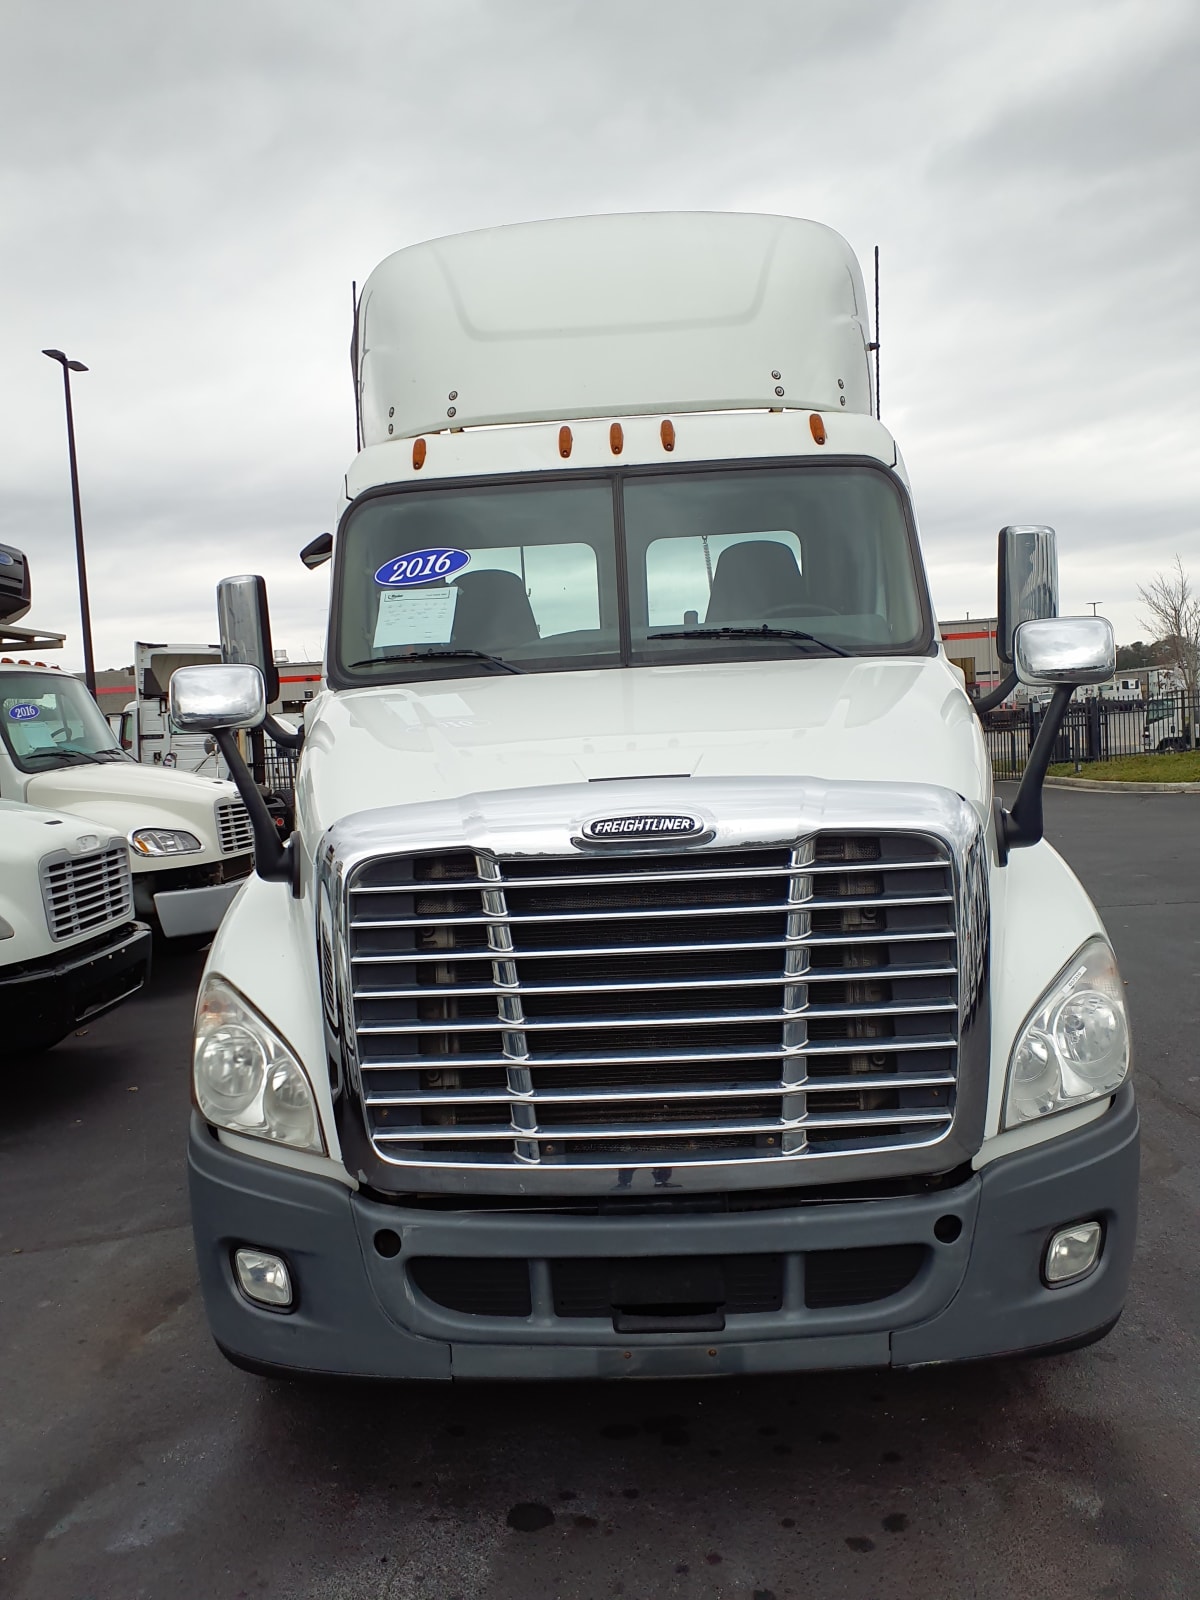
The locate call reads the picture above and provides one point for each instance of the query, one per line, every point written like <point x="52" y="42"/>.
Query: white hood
<point x="900" y="721"/>
<point x="126" y="795"/>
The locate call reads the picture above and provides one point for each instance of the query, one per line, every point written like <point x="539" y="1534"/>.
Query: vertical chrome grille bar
<point x="513" y="1040"/>
<point x="795" y="994"/>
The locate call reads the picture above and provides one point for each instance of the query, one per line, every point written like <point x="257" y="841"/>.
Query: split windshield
<point x="47" y="722"/>
<point x="626" y="570"/>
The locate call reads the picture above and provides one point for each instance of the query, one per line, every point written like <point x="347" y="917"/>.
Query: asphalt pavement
<point x="134" y="1462"/>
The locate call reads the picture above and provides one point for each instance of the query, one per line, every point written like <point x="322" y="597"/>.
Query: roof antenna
<point x="358" y="443"/>
<point x="874" y="345"/>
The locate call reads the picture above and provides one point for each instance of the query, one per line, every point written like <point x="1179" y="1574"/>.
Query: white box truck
<point x="653" y="983"/>
<point x="188" y="836"/>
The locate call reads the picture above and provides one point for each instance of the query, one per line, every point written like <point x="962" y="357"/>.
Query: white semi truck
<point x="188" y="836"/>
<point x="653" y="983"/>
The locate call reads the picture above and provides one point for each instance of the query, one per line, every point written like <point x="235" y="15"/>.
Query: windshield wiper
<point x="764" y="632"/>
<point x="435" y="655"/>
<point x="67" y="755"/>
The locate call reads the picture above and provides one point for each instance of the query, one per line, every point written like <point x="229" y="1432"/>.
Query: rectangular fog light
<point x="263" y="1278"/>
<point x="1072" y="1253"/>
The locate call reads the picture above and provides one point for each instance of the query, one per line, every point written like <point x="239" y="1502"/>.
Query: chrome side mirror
<point x="210" y="699"/>
<point x="1058" y="651"/>
<point x="245" y="623"/>
<point x="1027" y="582"/>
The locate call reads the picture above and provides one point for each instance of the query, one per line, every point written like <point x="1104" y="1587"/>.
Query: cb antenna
<point x="354" y="365"/>
<point x="875" y="344"/>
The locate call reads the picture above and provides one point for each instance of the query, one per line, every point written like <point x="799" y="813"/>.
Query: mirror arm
<point x="1023" y="825"/>
<point x="274" y="861"/>
<point x="281" y="735"/>
<point x="989" y="702"/>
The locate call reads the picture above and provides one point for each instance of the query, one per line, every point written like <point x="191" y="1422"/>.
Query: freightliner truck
<point x="188" y="836"/>
<point x="654" y="982"/>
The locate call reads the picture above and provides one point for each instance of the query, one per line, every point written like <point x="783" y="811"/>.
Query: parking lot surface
<point x="134" y="1462"/>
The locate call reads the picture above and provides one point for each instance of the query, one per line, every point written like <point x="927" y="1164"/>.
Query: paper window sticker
<point x="424" y="616"/>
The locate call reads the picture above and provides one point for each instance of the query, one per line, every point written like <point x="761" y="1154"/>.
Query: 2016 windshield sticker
<point x="23" y="711"/>
<point x="422" y="566"/>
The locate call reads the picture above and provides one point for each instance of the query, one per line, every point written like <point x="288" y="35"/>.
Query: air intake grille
<point x="85" y="893"/>
<point x="233" y="827"/>
<point x="680" y="1007"/>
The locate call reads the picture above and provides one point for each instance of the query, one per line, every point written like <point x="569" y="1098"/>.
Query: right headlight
<point x="246" y="1078"/>
<point x="1074" y="1045"/>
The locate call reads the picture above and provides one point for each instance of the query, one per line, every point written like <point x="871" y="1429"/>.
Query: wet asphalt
<point x="134" y="1462"/>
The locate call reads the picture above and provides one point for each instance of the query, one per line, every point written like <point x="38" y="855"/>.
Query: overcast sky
<point x="186" y="194"/>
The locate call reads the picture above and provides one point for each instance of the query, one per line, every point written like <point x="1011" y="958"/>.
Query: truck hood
<point x="126" y="795"/>
<point x="901" y="721"/>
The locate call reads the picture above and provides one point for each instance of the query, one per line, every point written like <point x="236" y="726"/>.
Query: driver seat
<point x="751" y="579"/>
<point x="492" y="612"/>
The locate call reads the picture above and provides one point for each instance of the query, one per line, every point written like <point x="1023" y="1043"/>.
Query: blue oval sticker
<point x="23" y="711"/>
<point x="421" y="566"/>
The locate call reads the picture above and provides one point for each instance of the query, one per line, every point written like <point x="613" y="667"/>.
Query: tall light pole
<point x="1093" y="604"/>
<point x="85" y="610"/>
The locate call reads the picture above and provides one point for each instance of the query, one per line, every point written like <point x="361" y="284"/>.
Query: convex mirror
<point x="1027" y="582"/>
<point x="208" y="699"/>
<point x="1065" y="650"/>
<point x="245" y="624"/>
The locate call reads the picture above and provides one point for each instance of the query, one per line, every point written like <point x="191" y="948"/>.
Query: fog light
<point x="264" y="1278"/>
<point x="1072" y="1253"/>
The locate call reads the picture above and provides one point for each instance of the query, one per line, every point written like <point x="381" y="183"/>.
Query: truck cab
<point x="653" y="983"/>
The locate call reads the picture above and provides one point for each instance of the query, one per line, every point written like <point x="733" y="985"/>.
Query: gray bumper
<point x="980" y="1294"/>
<point x="187" y="911"/>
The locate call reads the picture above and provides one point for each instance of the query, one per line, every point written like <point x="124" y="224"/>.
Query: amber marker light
<point x="667" y="434"/>
<point x="616" y="439"/>
<point x="817" y="428"/>
<point x="564" y="442"/>
<point x="419" y="449"/>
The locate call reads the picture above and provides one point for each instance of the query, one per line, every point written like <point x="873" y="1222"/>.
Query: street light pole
<point x="1093" y="604"/>
<point x="85" y="610"/>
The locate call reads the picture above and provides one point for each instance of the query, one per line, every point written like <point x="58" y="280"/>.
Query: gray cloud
<point x="186" y="196"/>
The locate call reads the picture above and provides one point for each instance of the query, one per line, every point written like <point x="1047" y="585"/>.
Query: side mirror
<point x="208" y="699"/>
<point x="245" y="625"/>
<point x="1027" y="582"/>
<point x="1065" y="650"/>
<point x="317" y="551"/>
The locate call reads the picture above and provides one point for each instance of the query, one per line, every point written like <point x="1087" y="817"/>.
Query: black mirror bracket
<point x="999" y="694"/>
<point x="274" y="861"/>
<point x="1023" y="825"/>
<point x="281" y="735"/>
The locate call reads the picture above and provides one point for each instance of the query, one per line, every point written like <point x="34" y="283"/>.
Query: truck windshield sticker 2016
<point x="422" y="566"/>
<point x="622" y="827"/>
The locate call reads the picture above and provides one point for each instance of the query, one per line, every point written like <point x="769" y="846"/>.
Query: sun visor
<point x="612" y="316"/>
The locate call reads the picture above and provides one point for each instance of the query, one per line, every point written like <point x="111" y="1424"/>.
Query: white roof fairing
<point x="612" y="316"/>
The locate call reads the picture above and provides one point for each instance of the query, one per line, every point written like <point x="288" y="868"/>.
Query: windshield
<point x="627" y="569"/>
<point x="49" y="722"/>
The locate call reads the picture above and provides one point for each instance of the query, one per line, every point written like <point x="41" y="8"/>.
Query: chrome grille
<point x="84" y="893"/>
<point x="596" y="1010"/>
<point x="234" y="832"/>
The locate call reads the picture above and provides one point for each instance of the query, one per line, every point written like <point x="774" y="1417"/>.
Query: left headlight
<point x="164" y="842"/>
<point x="1074" y="1045"/>
<point x="246" y="1078"/>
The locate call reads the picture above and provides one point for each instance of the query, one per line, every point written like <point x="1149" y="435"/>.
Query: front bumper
<point x="48" y="998"/>
<point x="358" y="1311"/>
<point x="190" y="900"/>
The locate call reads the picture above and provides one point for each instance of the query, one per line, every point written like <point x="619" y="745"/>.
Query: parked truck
<point x="654" y="982"/>
<point x="70" y="946"/>
<point x="188" y="836"/>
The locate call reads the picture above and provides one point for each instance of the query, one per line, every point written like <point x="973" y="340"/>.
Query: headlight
<point x="1074" y="1045"/>
<point x="246" y="1078"/>
<point x="164" y="842"/>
